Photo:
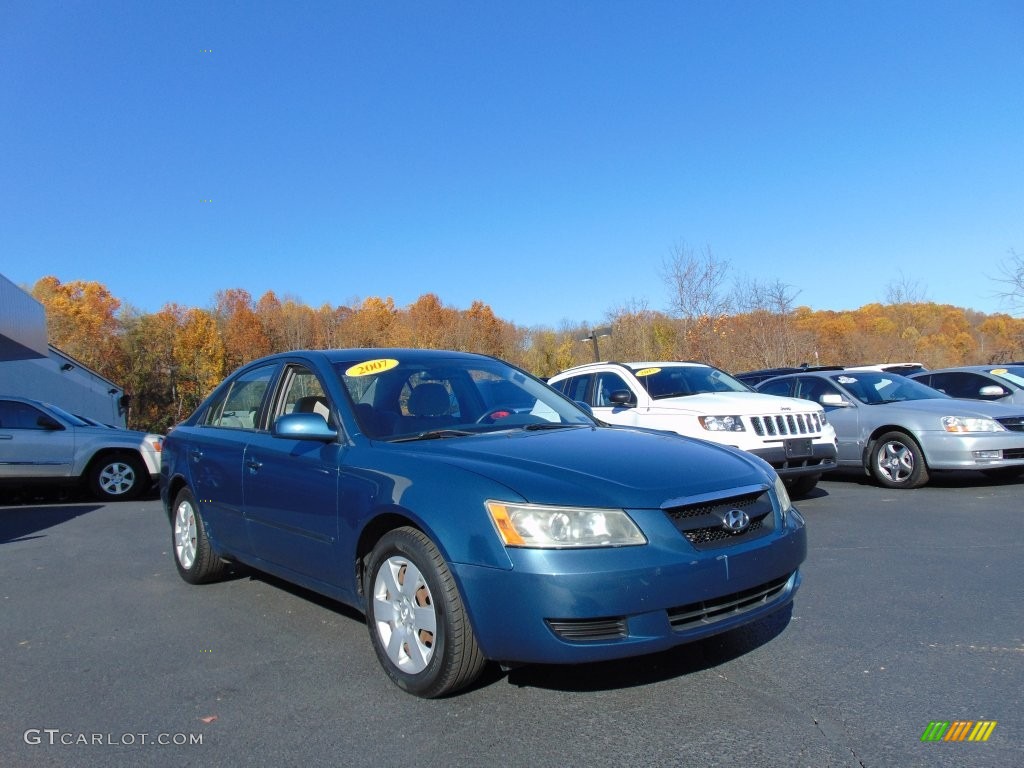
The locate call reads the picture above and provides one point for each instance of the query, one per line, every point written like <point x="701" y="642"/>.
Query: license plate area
<point x="799" y="448"/>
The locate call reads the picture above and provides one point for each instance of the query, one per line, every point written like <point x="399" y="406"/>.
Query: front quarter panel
<point x="445" y="502"/>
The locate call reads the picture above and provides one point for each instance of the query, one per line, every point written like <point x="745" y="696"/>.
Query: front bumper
<point x="564" y="606"/>
<point x="991" y="450"/>
<point x="787" y="462"/>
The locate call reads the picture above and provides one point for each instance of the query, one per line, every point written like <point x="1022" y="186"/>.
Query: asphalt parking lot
<point x="910" y="612"/>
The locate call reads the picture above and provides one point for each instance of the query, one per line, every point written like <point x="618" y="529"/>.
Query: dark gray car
<point x="994" y="383"/>
<point x="899" y="430"/>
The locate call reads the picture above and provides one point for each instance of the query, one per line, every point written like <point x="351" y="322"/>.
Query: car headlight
<point x="721" y="423"/>
<point x="782" y="495"/>
<point x="543" y="527"/>
<point x="971" y="424"/>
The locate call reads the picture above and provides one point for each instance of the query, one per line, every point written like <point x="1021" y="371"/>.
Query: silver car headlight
<point x="971" y="424"/>
<point x="722" y="423"/>
<point x="545" y="527"/>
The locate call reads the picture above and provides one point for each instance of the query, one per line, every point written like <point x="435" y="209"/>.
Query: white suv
<point x="701" y="401"/>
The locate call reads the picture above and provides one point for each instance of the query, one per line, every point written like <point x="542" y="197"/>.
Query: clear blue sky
<point x="541" y="156"/>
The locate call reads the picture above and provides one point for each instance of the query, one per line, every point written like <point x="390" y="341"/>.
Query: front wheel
<point x="799" y="487"/>
<point x="417" y="622"/>
<point x="117" y="477"/>
<point x="897" y="461"/>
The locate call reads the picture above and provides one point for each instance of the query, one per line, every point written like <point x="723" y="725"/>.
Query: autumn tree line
<point x="171" y="359"/>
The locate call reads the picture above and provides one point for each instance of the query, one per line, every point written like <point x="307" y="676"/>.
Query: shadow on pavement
<point x="658" y="667"/>
<point x="19" y="523"/>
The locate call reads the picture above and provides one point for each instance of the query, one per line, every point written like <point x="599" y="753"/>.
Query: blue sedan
<point x="470" y="530"/>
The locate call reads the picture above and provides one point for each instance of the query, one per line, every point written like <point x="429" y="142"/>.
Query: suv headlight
<point x="721" y="423"/>
<point x="971" y="424"/>
<point x="543" y="527"/>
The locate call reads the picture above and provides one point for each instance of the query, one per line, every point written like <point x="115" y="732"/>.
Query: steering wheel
<point x="496" y="413"/>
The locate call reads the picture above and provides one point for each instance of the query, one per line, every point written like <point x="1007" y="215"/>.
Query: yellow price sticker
<point x="372" y="366"/>
<point x="998" y="371"/>
<point x="646" y="372"/>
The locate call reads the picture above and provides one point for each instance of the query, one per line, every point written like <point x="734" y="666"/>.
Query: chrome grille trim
<point x="786" y="425"/>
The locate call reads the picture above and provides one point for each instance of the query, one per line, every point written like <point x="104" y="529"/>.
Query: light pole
<point x="593" y="336"/>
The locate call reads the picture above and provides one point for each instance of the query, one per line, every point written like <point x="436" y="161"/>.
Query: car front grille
<point x="785" y="425"/>
<point x="703" y="523"/>
<point x="1013" y="453"/>
<point x="721" y="608"/>
<point x="1013" y="423"/>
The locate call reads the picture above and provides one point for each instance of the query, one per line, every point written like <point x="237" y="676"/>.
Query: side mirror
<point x="621" y="397"/>
<point x="586" y="407"/>
<point x="992" y="390"/>
<point x="834" y="400"/>
<point x="304" y="426"/>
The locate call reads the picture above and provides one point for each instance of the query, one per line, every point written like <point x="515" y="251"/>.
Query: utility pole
<point x="593" y="336"/>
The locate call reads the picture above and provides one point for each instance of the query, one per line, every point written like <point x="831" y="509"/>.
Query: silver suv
<point x="41" y="443"/>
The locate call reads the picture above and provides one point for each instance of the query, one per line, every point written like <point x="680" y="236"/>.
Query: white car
<point x="698" y="400"/>
<point x="41" y="443"/>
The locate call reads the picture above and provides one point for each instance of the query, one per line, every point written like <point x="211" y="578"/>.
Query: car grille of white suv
<point x="788" y="424"/>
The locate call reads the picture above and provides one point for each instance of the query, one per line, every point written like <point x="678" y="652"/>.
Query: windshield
<point x="75" y="420"/>
<point x="876" y="387"/>
<point x="681" y="380"/>
<point x="436" y="397"/>
<point x="1011" y="373"/>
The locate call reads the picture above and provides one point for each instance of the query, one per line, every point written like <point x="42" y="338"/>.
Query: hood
<point x="734" y="404"/>
<point x="943" y="406"/>
<point x="600" y="467"/>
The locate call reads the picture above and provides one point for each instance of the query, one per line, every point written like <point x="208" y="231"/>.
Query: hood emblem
<point x="736" y="521"/>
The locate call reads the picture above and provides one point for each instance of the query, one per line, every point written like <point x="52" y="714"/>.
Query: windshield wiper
<point x="434" y="434"/>
<point x="550" y="425"/>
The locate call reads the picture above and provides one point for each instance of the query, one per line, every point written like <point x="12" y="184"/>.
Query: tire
<point x="417" y="621"/>
<point x="1003" y="473"/>
<point x="117" y="477"/>
<point x="195" y="559"/>
<point x="799" y="487"/>
<point x="896" y="461"/>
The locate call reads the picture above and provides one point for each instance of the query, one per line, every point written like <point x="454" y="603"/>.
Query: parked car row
<point x="476" y="514"/>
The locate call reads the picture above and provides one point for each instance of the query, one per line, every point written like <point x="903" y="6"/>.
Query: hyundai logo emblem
<point x="736" y="521"/>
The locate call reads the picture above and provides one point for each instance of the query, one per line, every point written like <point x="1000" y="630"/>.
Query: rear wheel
<point x="417" y="622"/>
<point x="897" y="461"/>
<point x="117" y="477"/>
<point x="195" y="559"/>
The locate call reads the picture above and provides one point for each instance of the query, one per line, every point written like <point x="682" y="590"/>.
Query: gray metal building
<point x="30" y="367"/>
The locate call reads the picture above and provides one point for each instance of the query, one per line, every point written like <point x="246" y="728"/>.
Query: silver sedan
<point x="899" y="430"/>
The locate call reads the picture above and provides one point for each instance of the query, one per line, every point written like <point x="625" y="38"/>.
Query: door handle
<point x="253" y="465"/>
